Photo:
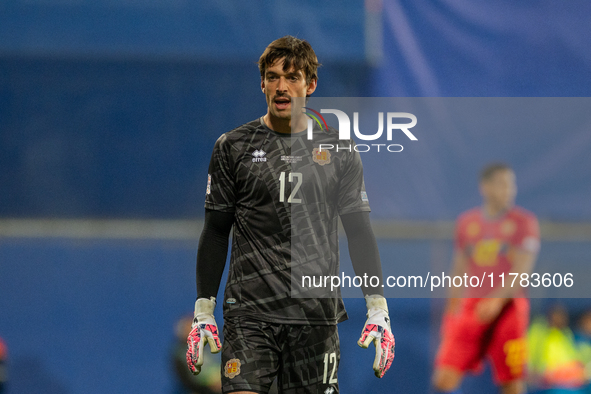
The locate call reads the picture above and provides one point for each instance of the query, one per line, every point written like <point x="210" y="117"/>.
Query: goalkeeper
<point x="266" y="181"/>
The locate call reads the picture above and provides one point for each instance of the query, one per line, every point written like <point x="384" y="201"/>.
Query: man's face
<point x="558" y="318"/>
<point x="280" y="86"/>
<point x="500" y="190"/>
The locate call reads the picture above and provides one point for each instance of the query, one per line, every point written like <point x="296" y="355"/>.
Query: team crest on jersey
<point x="486" y="252"/>
<point x="232" y="368"/>
<point x="329" y="390"/>
<point x="321" y="157"/>
<point x="508" y="228"/>
<point x="208" y="190"/>
<point x="258" y="156"/>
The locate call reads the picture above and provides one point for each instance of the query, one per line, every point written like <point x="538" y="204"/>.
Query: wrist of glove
<point x="203" y="330"/>
<point x="377" y="330"/>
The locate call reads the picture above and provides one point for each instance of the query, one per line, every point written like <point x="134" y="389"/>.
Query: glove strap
<point x="376" y="301"/>
<point x="204" y="306"/>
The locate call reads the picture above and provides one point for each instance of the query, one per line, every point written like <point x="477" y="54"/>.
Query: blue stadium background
<point x="109" y="111"/>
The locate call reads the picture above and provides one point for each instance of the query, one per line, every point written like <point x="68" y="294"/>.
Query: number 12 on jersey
<point x="296" y="177"/>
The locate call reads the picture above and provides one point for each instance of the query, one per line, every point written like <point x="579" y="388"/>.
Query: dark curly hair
<point x="297" y="53"/>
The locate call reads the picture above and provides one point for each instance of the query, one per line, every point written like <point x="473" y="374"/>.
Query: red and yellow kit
<point x="488" y="244"/>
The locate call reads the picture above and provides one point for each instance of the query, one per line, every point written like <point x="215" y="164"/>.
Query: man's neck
<point x="277" y="124"/>
<point x="493" y="211"/>
<point x="284" y="125"/>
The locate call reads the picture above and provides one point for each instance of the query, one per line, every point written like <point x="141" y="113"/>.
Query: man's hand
<point x="377" y="330"/>
<point x="204" y="329"/>
<point x="488" y="309"/>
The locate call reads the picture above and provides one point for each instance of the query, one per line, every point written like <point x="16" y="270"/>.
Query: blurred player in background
<point x="555" y="364"/>
<point x="264" y="177"/>
<point x="490" y="322"/>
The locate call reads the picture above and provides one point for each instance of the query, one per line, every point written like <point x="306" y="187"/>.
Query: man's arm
<point x="459" y="268"/>
<point x="363" y="249"/>
<point x="211" y="259"/>
<point x="489" y="308"/>
<point x="212" y="252"/>
<point x="525" y="246"/>
<point x="522" y="262"/>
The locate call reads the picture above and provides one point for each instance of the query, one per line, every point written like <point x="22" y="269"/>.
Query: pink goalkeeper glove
<point x="204" y="329"/>
<point x="377" y="330"/>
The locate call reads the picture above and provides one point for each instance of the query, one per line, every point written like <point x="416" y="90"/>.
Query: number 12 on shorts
<point x="330" y="359"/>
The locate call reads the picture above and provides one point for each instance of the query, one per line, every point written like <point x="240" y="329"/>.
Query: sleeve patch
<point x="531" y="244"/>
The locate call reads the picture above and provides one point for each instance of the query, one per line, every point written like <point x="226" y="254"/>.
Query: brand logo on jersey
<point x="258" y="156"/>
<point x="231" y="301"/>
<point x="329" y="390"/>
<point x="208" y="190"/>
<point x="364" y="197"/>
<point x="232" y="368"/>
<point x="321" y="157"/>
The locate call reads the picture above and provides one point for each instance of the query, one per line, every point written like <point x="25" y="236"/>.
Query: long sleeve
<point x="212" y="252"/>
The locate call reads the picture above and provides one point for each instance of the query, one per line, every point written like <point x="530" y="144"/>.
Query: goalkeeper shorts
<point x="303" y="358"/>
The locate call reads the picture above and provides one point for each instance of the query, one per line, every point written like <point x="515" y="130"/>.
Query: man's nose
<point x="282" y="85"/>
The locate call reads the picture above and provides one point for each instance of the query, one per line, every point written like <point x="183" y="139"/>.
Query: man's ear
<point x="311" y="87"/>
<point x="263" y="84"/>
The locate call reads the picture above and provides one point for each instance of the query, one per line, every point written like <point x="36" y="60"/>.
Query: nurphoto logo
<point x="392" y="124"/>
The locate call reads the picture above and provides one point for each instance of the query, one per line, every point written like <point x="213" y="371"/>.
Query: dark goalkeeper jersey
<point x="286" y="195"/>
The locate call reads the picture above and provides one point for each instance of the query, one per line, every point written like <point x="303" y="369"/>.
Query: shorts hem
<point x="237" y="389"/>
<point x="275" y="320"/>
<point x="443" y="364"/>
